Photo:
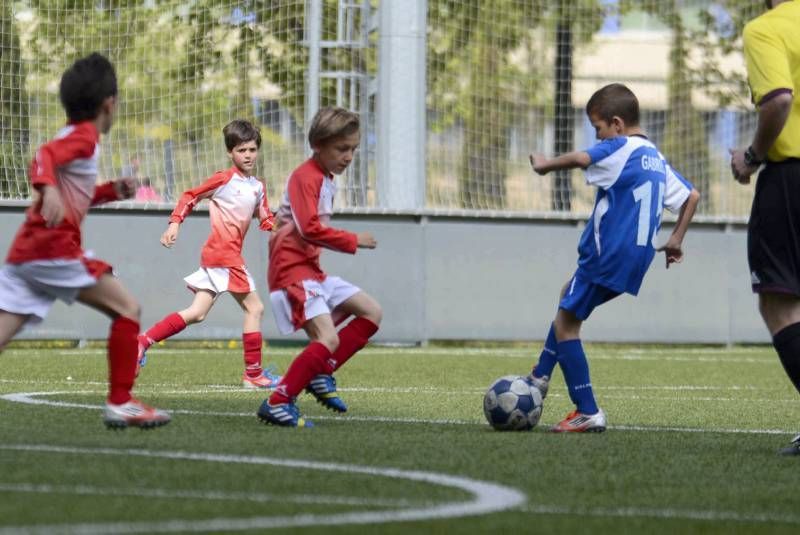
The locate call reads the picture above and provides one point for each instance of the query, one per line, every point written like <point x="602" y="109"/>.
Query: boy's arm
<point x="265" y="218"/>
<point x="570" y="160"/>
<point x="189" y="199"/>
<point x="186" y="203"/>
<point x="673" y="247"/>
<point x="114" y="190"/>
<point x="304" y="200"/>
<point x="79" y="143"/>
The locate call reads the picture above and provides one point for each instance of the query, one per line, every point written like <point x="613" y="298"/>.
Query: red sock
<point x="171" y="324"/>
<point x="352" y="338"/>
<point x="122" y="349"/>
<point x="314" y="360"/>
<point x="252" y="342"/>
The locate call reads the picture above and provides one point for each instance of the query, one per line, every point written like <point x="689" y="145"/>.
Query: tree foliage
<point x="474" y="79"/>
<point x="14" y="113"/>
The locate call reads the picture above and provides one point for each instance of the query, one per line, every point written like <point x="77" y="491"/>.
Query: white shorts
<point x="218" y="280"/>
<point x="295" y="305"/>
<point x="31" y="288"/>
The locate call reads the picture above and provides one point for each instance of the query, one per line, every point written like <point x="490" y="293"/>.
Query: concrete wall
<point x="437" y="278"/>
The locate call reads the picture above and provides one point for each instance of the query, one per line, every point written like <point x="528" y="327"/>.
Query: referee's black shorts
<point x="773" y="234"/>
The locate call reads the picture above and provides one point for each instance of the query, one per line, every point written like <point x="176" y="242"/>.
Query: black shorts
<point x="773" y="233"/>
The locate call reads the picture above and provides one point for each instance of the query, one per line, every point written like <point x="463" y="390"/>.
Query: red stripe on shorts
<point x="96" y="268"/>
<point x="296" y="295"/>
<point x="237" y="281"/>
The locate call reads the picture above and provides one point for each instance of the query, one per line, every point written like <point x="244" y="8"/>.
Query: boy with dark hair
<point x="46" y="260"/>
<point x="302" y="295"/>
<point x="235" y="197"/>
<point x="635" y="183"/>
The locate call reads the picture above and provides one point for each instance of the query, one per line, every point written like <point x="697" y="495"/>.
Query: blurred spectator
<point x="145" y="192"/>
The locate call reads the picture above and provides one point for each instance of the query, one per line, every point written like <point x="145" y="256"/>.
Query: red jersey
<point x="68" y="162"/>
<point x="233" y="201"/>
<point x="303" y="217"/>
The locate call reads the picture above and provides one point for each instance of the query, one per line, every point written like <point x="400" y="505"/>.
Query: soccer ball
<point x="512" y="404"/>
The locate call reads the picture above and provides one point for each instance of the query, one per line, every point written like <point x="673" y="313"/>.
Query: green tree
<point x="474" y="80"/>
<point x="685" y="133"/>
<point x="14" y="124"/>
<point x="685" y="136"/>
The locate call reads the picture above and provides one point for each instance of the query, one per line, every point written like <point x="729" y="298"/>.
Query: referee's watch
<point x="750" y="158"/>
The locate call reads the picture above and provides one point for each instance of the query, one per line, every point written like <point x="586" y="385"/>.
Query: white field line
<point x="210" y="388"/>
<point x="308" y="520"/>
<point x="33" y="398"/>
<point x="211" y="495"/>
<point x="486" y="497"/>
<point x="159" y="389"/>
<point x="672" y="514"/>
<point x="672" y="354"/>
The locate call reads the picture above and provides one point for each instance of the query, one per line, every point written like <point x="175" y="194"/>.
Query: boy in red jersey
<point x="235" y="197"/>
<point x="301" y="294"/>
<point x="46" y="260"/>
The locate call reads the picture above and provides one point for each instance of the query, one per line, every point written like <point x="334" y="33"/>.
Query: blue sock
<point x="576" y="374"/>
<point x="547" y="360"/>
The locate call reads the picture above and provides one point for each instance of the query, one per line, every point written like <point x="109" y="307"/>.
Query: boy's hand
<point x="538" y="163"/>
<point x="672" y="251"/>
<point x="125" y="188"/>
<point x="52" y="206"/>
<point x="170" y="235"/>
<point x="366" y="240"/>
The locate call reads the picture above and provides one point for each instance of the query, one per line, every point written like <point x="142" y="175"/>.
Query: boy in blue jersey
<point x="634" y="184"/>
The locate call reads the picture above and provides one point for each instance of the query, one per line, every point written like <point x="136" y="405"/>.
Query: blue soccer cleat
<point x="793" y="448"/>
<point x="271" y="373"/>
<point x="282" y="414"/>
<point x="323" y="387"/>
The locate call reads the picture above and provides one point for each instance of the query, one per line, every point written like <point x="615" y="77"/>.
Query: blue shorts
<point x="582" y="297"/>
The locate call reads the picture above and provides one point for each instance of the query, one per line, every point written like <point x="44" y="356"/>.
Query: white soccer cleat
<point x="577" y="422"/>
<point x="134" y="413"/>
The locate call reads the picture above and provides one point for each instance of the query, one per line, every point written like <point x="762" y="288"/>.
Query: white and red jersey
<point x="303" y="217"/>
<point x="68" y="162"/>
<point x="233" y="202"/>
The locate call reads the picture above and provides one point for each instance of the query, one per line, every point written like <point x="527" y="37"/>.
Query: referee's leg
<point x="781" y="313"/>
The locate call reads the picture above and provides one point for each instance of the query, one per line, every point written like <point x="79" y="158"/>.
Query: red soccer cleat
<point x="577" y="422"/>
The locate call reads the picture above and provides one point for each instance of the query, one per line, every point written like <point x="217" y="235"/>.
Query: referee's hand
<point x="740" y="170"/>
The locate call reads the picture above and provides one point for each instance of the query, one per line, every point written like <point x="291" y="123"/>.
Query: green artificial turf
<point x="691" y="446"/>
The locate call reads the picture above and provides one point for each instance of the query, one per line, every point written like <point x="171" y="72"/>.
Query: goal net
<point x="503" y="78"/>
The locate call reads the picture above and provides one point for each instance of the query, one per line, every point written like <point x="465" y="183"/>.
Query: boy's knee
<point x="256" y="310"/>
<point x="131" y="309"/>
<point x="375" y="315"/>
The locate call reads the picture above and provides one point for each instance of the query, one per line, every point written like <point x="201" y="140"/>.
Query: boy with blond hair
<point x="302" y="295"/>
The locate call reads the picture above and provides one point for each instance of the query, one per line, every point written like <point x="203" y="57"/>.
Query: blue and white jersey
<point x="634" y="183"/>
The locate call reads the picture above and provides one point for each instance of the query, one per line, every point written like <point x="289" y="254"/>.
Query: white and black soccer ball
<point x="512" y="404"/>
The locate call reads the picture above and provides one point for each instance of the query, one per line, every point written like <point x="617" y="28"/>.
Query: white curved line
<point x="210" y="495"/>
<point x="486" y="497"/>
